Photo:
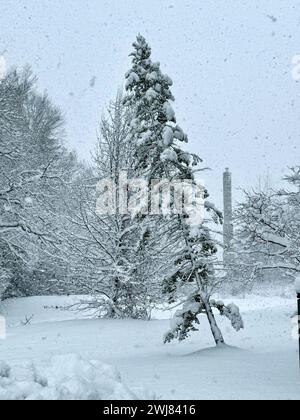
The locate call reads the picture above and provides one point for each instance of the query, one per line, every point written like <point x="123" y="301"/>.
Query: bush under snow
<point x="64" y="378"/>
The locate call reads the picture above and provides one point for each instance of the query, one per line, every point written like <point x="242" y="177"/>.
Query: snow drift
<point x="66" y="377"/>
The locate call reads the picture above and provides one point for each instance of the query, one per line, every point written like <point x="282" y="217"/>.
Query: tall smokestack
<point x="228" y="227"/>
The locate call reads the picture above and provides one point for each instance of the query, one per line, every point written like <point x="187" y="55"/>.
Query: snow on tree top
<point x="153" y="76"/>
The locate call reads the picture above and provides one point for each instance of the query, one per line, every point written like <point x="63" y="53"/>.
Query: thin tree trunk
<point x="216" y="332"/>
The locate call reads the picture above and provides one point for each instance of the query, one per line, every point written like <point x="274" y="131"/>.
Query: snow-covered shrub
<point x="66" y="377"/>
<point x="266" y="246"/>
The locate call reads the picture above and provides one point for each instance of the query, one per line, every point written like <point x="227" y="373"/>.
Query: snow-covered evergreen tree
<point x="157" y="141"/>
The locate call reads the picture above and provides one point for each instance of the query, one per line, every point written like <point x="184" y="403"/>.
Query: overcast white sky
<point x="230" y="62"/>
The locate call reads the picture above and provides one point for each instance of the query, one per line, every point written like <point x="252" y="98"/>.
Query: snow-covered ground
<point x="262" y="362"/>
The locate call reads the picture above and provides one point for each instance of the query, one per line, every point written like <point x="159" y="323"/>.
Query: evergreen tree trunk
<point x="216" y="332"/>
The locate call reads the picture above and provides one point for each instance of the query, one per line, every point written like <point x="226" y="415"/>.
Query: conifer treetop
<point x="154" y="131"/>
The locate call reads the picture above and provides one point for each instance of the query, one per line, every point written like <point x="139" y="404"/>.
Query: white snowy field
<point x="262" y="362"/>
